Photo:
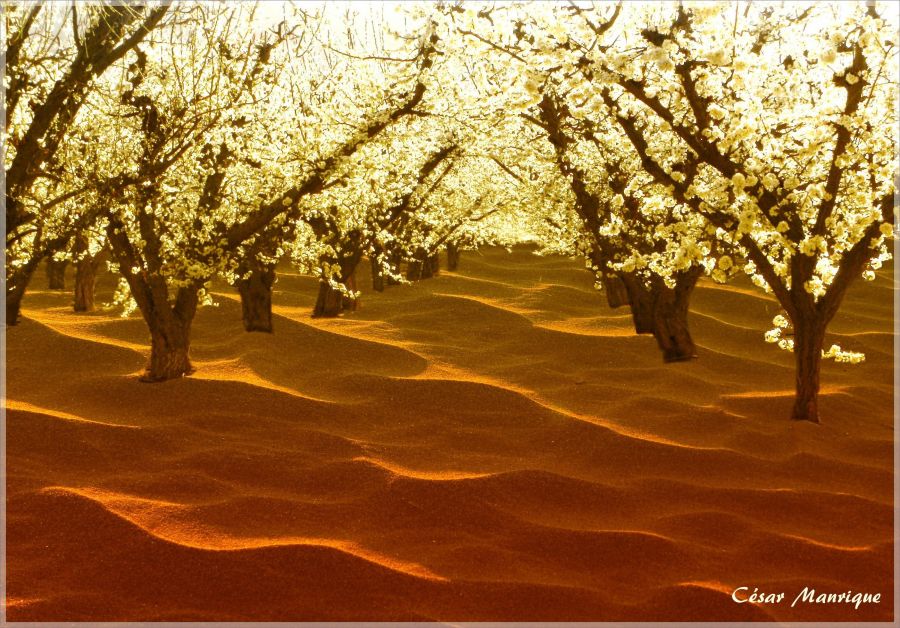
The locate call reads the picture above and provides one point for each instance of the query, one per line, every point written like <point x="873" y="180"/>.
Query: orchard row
<point x="661" y="142"/>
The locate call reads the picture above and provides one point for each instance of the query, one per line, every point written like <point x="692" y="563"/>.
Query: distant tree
<point x="89" y="251"/>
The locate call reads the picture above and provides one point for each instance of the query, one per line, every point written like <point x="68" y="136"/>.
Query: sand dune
<point x="493" y="444"/>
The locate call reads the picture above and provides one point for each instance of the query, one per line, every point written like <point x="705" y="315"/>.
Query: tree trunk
<point x="85" y="282"/>
<point x="170" y="346"/>
<point x="256" y="297"/>
<point x="422" y="266"/>
<point x="670" y="319"/>
<point x="85" y="274"/>
<point x="662" y="311"/>
<point x="808" y="340"/>
<point x="170" y="330"/>
<point x="85" y="279"/>
<point x="56" y="273"/>
<point x="434" y="264"/>
<point x="14" y="293"/>
<point x="414" y="270"/>
<point x="453" y="254"/>
<point x="380" y="279"/>
<point x="377" y="274"/>
<point x="330" y="301"/>
<point x="616" y="292"/>
<point x="15" y="288"/>
<point x="641" y="300"/>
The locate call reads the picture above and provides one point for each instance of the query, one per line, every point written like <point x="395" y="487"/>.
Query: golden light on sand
<point x="460" y="472"/>
<point x="450" y="311"/>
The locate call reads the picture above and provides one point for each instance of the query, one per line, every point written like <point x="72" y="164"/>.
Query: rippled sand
<point x="493" y="444"/>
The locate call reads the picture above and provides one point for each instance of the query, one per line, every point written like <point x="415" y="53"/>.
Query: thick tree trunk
<point x="85" y="274"/>
<point x="170" y="331"/>
<point x="662" y="311"/>
<point x="670" y="325"/>
<point x="640" y="298"/>
<point x="377" y="275"/>
<point x="422" y="266"/>
<point x="331" y="301"/>
<point x="169" y="351"/>
<point x="453" y="254"/>
<point x="380" y="279"/>
<point x="670" y="311"/>
<point x="616" y="292"/>
<point x="434" y="264"/>
<point x="85" y="282"/>
<point x="808" y="340"/>
<point x="14" y="294"/>
<point x="414" y="270"/>
<point x="256" y="297"/>
<point x="85" y="279"/>
<point x="15" y="288"/>
<point x="56" y="273"/>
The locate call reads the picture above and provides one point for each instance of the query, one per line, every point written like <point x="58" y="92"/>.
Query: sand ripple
<point x="493" y="444"/>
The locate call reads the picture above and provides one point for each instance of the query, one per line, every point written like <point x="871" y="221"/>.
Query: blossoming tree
<point x="54" y="56"/>
<point x="235" y="176"/>
<point x="793" y="132"/>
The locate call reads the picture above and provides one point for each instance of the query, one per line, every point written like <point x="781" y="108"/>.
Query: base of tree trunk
<point x="16" y="284"/>
<point x="86" y="266"/>
<point x="641" y="300"/>
<point x="381" y="279"/>
<point x="414" y="270"/>
<point x="13" y="306"/>
<point x="676" y="348"/>
<point x="670" y="312"/>
<point x="169" y="356"/>
<point x="671" y="329"/>
<point x="808" y="341"/>
<point x="434" y="264"/>
<point x="662" y="311"/>
<point x="808" y="411"/>
<point x="256" y="299"/>
<point x="330" y="302"/>
<point x="453" y="255"/>
<point x="164" y="373"/>
<point x="85" y="282"/>
<point x="422" y="266"/>
<point x="56" y="274"/>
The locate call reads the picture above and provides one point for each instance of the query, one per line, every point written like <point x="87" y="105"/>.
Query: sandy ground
<point x="493" y="444"/>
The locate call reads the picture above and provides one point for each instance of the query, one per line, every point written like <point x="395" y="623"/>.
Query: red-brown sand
<point x="493" y="444"/>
